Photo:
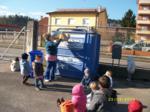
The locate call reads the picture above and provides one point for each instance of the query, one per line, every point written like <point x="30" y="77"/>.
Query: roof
<point x="77" y="11"/>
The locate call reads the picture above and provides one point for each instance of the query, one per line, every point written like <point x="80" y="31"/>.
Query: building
<point x="72" y="18"/>
<point x="43" y="25"/>
<point x="143" y="21"/>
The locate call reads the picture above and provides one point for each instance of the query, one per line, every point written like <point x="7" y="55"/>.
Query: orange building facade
<point x="143" y="21"/>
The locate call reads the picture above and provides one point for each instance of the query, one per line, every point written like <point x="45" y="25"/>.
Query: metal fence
<point x="12" y="43"/>
<point x="108" y="34"/>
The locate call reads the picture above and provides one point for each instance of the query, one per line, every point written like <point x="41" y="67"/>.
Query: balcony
<point x="144" y="2"/>
<point x="145" y="22"/>
<point x="144" y="12"/>
<point x="143" y="32"/>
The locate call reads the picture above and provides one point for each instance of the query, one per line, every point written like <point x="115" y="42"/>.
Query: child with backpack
<point x="38" y="72"/>
<point x="25" y="68"/>
<point x="77" y="103"/>
<point x="15" y="66"/>
<point x="79" y="98"/>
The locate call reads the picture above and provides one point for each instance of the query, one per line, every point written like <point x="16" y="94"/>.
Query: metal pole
<point x="24" y="45"/>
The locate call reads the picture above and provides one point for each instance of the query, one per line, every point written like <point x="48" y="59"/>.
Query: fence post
<point x="32" y="36"/>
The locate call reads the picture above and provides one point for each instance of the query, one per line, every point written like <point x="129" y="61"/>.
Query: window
<point x="144" y="28"/>
<point x="145" y="8"/>
<point x="86" y="21"/>
<point x="71" y="21"/>
<point x="145" y="18"/>
<point x="57" y="21"/>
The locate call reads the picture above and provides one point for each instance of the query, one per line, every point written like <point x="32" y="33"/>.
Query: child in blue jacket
<point x="25" y="68"/>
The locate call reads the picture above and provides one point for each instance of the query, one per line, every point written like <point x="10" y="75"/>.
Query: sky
<point x="37" y="8"/>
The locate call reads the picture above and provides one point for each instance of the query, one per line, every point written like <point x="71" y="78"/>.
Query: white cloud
<point x="2" y="7"/>
<point x="5" y="11"/>
<point x="37" y="14"/>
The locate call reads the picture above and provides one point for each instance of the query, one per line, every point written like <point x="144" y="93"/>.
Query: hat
<point x="135" y="106"/>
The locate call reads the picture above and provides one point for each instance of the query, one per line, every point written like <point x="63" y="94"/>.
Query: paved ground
<point x="123" y="62"/>
<point x="15" y="97"/>
<point x="104" y="58"/>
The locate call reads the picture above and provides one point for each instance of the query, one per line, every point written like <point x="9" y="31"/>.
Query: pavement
<point x="15" y="97"/>
<point x="123" y="62"/>
<point x="143" y="63"/>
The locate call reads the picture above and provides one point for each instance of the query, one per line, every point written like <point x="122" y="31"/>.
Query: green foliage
<point x="129" y="19"/>
<point x="128" y="40"/>
<point x="15" y="20"/>
<point x="118" y="37"/>
<point x="114" y="21"/>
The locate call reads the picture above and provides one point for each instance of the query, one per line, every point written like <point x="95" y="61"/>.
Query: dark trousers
<point x="50" y="70"/>
<point x="39" y="83"/>
<point x="25" y="79"/>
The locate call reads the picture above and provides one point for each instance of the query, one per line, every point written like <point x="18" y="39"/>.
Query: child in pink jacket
<point x="79" y="98"/>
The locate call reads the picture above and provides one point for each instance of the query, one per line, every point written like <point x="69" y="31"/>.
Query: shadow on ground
<point x="58" y="88"/>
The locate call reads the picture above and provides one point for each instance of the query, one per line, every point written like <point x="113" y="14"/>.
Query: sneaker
<point x="46" y="80"/>
<point x="38" y="89"/>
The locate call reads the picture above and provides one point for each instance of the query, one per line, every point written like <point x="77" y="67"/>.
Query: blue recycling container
<point x="32" y="57"/>
<point x="79" y="52"/>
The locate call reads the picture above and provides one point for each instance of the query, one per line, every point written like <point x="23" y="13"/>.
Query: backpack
<point x="67" y="106"/>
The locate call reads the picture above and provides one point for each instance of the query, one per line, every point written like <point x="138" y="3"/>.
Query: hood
<point x="78" y="90"/>
<point x="106" y="92"/>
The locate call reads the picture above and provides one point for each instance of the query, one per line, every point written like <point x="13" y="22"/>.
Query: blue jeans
<point x="39" y="83"/>
<point x="50" y="70"/>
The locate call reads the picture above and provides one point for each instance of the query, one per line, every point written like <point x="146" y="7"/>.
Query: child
<point x="15" y="66"/>
<point x="109" y="75"/>
<point x="65" y="105"/>
<point x="38" y="72"/>
<point x="131" y="67"/>
<point x="135" y="106"/>
<point x="100" y="99"/>
<point x="25" y="68"/>
<point x="113" y="92"/>
<point x="86" y="78"/>
<point x="94" y="87"/>
<point x="78" y="98"/>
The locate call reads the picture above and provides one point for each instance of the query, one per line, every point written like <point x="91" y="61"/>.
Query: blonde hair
<point x="93" y="85"/>
<point x="108" y="73"/>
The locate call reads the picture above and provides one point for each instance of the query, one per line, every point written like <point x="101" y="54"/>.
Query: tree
<point x="118" y="37"/>
<point x="129" y="19"/>
<point x="15" y="20"/>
